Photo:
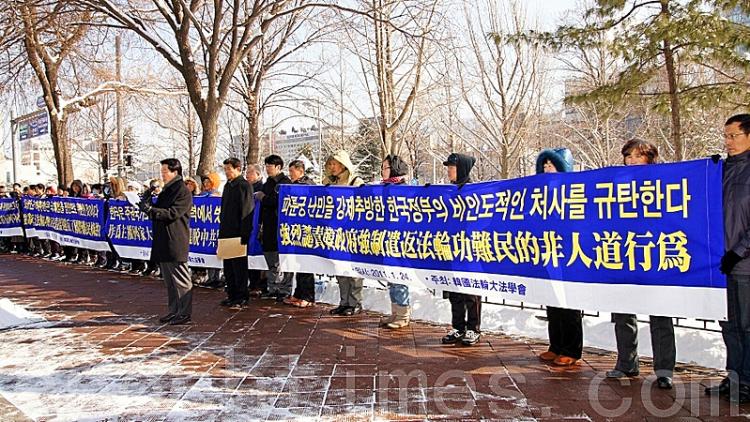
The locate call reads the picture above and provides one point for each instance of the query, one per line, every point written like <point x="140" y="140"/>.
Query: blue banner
<point x="10" y="218"/>
<point x="131" y="234"/>
<point x="68" y="221"/>
<point x="617" y="239"/>
<point x="129" y="230"/>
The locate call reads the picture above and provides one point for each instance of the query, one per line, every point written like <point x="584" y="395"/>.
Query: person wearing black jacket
<point x="466" y="309"/>
<point x="236" y="220"/>
<point x="304" y="294"/>
<point x="257" y="283"/>
<point x="279" y="284"/>
<point x="170" y="217"/>
<point x="735" y="263"/>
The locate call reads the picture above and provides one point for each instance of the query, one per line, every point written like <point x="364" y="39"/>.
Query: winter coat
<point x="170" y="217"/>
<point x="237" y="203"/>
<point x="561" y="158"/>
<point x="736" y="187"/>
<point x="269" y="215"/>
<point x="304" y="180"/>
<point x="464" y="164"/>
<point x="348" y="177"/>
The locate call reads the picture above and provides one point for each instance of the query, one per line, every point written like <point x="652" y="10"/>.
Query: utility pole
<point x="14" y="153"/>
<point x="118" y="97"/>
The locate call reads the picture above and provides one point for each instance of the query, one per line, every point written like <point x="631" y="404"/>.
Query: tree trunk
<point x="253" y="131"/>
<point x="674" y="100"/>
<point x="210" y="123"/>
<point x="58" y="136"/>
<point x="191" y="143"/>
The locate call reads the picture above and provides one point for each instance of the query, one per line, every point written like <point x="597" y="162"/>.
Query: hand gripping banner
<point x="639" y="239"/>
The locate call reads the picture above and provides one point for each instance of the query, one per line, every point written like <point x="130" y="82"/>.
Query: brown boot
<point x="403" y="316"/>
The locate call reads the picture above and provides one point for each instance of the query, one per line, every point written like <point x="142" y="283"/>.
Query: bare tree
<point x="40" y="35"/>
<point x="221" y="33"/>
<point x="502" y="82"/>
<point x="393" y="41"/>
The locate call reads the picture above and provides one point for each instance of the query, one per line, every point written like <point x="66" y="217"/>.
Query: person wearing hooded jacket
<point x="565" y="326"/>
<point x="394" y="170"/>
<point x="466" y="309"/>
<point x="339" y="171"/>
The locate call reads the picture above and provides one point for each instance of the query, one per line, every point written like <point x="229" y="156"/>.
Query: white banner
<point x="674" y="301"/>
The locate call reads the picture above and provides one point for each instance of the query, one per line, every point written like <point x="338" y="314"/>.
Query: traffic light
<point x="128" y="160"/>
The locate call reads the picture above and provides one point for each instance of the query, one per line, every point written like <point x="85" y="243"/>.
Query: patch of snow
<point x="12" y="315"/>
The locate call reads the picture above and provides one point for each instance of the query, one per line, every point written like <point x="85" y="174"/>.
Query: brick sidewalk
<point x="103" y="355"/>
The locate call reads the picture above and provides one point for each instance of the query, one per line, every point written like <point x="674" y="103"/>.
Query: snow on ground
<point x="12" y="315"/>
<point x="701" y="347"/>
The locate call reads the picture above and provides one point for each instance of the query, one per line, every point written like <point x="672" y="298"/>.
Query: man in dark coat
<point x="735" y="263"/>
<point x="236" y="218"/>
<point x="279" y="284"/>
<point x="170" y="216"/>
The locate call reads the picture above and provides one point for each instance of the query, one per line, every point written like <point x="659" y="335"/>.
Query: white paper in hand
<point x="133" y="198"/>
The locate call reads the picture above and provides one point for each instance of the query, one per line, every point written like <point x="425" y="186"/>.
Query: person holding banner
<point x="638" y="152"/>
<point x="304" y="294"/>
<point x="736" y="260"/>
<point x="393" y="170"/>
<point x="257" y="282"/>
<point x="466" y="310"/>
<point x="565" y="326"/>
<point x="340" y="171"/>
<point x="236" y="222"/>
<point x="279" y="283"/>
<point x="170" y="217"/>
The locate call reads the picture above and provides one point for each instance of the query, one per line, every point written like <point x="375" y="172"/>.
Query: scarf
<point x="395" y="180"/>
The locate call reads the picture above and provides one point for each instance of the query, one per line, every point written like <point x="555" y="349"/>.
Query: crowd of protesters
<point x="564" y="325"/>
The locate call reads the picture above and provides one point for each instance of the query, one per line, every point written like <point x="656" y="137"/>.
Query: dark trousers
<point x="662" y="343"/>
<point x="466" y="311"/>
<point x="179" y="287"/>
<point x="235" y="273"/>
<point x="736" y="329"/>
<point x="256" y="282"/>
<point x="305" y="289"/>
<point x="565" y="332"/>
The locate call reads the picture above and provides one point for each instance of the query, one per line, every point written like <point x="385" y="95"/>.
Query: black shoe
<point x="180" y="320"/>
<point x="338" y="311"/>
<point x="239" y="304"/>
<point x="268" y="295"/>
<point x="743" y="395"/>
<point x="352" y="310"/>
<point x="214" y="284"/>
<point x="665" y="383"/>
<point x="226" y="302"/>
<point x="166" y="318"/>
<point x="453" y="337"/>
<point x="280" y="298"/>
<point x="719" y="390"/>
